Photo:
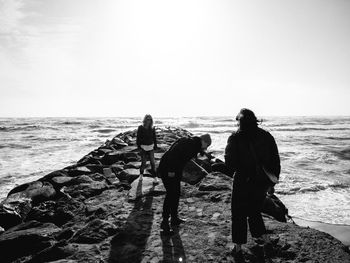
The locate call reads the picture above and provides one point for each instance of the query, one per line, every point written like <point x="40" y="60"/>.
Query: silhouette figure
<point x="129" y="244"/>
<point x="170" y="168"/>
<point x="252" y="155"/>
<point x="147" y="142"/>
<point x="173" y="250"/>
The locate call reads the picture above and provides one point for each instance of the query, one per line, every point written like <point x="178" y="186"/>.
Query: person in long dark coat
<point x="246" y="148"/>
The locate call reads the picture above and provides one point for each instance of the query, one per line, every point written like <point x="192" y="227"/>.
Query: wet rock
<point x="14" y="209"/>
<point x="94" y="232"/>
<point x="27" y="238"/>
<point x="193" y="173"/>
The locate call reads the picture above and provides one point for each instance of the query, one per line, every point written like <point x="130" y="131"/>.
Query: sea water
<point x="315" y="154"/>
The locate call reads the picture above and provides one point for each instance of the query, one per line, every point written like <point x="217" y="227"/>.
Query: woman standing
<point x="147" y="142"/>
<point x="252" y="155"/>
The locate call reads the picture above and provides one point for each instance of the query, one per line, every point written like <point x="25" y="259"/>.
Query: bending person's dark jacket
<point x="179" y="154"/>
<point x="146" y="136"/>
<point x="240" y="160"/>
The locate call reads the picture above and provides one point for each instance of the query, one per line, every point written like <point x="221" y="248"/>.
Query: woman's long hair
<point x="145" y="119"/>
<point x="248" y="123"/>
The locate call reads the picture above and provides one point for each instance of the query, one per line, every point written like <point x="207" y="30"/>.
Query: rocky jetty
<point x="99" y="211"/>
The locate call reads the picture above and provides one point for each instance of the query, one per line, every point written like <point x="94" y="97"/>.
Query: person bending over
<point x="147" y="142"/>
<point x="251" y="154"/>
<point x="170" y="169"/>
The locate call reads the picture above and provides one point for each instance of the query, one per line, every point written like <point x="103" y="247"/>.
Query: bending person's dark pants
<point x="246" y="210"/>
<point x="171" y="200"/>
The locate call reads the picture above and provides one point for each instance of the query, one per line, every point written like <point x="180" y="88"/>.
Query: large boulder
<point x="26" y="239"/>
<point x="15" y="208"/>
<point x="193" y="173"/>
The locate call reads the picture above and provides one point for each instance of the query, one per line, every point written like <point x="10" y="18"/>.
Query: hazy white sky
<point x="174" y="58"/>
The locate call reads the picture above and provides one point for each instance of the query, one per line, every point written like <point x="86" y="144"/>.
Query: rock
<point x="61" y="181"/>
<point x="140" y="188"/>
<point x="128" y="175"/>
<point x="94" y="232"/>
<point x="193" y="173"/>
<point x="112" y="157"/>
<point x="215" y="182"/>
<point x="27" y="238"/>
<point x="130" y="157"/>
<point x="59" y="212"/>
<point x="95" y="168"/>
<point x="119" y="142"/>
<point x="110" y="175"/>
<point x="215" y="216"/>
<point x="82" y="179"/>
<point x="14" y="209"/>
<point x="50" y="176"/>
<point x="79" y="171"/>
<point x="86" y="189"/>
<point x="40" y="191"/>
<point x="57" y="251"/>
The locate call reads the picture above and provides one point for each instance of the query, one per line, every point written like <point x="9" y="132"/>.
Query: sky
<point x="107" y="58"/>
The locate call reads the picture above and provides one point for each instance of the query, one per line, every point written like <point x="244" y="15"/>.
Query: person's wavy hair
<point x="248" y="122"/>
<point x="146" y="118"/>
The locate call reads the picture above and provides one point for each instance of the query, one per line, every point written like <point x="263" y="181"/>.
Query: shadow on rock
<point x="173" y="250"/>
<point x="129" y="244"/>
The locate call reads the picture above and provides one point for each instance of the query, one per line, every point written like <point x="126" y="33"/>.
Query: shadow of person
<point x="130" y="243"/>
<point x="173" y="250"/>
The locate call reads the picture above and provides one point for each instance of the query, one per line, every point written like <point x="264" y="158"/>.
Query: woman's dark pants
<point x="247" y="202"/>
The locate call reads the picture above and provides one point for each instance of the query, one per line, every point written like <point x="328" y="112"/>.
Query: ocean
<point x="315" y="154"/>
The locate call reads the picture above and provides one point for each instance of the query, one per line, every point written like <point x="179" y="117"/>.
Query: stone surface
<point x="146" y="186"/>
<point x="101" y="212"/>
<point x="215" y="182"/>
<point x="94" y="232"/>
<point x="26" y="239"/>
